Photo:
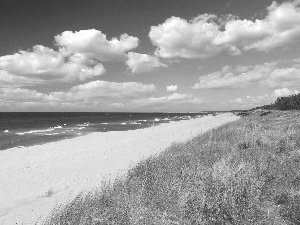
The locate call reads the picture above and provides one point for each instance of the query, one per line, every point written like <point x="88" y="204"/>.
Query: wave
<point x="185" y="117"/>
<point x="35" y="131"/>
<point x="51" y="134"/>
<point x="84" y="124"/>
<point x="134" y="123"/>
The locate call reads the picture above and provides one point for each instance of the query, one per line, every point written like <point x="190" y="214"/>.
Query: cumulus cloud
<point x="142" y="63"/>
<point x="252" y="101"/>
<point x="267" y="74"/>
<point x="105" y="89"/>
<point x="43" y="65"/>
<point x="283" y="92"/>
<point x="172" y="88"/>
<point x="177" y="37"/>
<point x="207" y="35"/>
<point x="95" y="93"/>
<point x="40" y="60"/>
<point x="93" y="44"/>
<point x="21" y="95"/>
<point x="174" y="99"/>
<point x="9" y="80"/>
<point x="77" y="59"/>
<point x="117" y="105"/>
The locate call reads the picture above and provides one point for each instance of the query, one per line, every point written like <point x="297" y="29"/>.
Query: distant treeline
<point x="284" y="103"/>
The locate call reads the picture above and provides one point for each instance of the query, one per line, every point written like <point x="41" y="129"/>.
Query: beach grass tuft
<point x="245" y="172"/>
<point x="49" y="193"/>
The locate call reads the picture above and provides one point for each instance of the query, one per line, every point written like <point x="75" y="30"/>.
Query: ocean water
<point x="19" y="129"/>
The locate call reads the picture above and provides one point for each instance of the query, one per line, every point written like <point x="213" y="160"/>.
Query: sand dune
<point x="34" y="179"/>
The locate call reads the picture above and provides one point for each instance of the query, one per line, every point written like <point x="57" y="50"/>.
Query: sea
<point x="20" y="129"/>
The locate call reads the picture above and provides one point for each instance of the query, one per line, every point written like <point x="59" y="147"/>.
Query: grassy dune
<point x="246" y="172"/>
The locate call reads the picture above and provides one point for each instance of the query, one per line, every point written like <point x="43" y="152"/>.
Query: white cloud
<point x="21" y="95"/>
<point x="178" y="97"/>
<point x="283" y="77"/>
<point x="93" y="44"/>
<point x="177" y="37"/>
<point x="174" y="99"/>
<point x="142" y="63"/>
<point x="283" y="92"/>
<point x="95" y="93"/>
<point x="9" y="80"/>
<point x="172" y="88"/>
<point x="226" y="78"/>
<point x="206" y="35"/>
<point x="242" y="69"/>
<point x="43" y="65"/>
<point x="252" y="101"/>
<point x="77" y="59"/>
<point x="105" y="89"/>
<point x="267" y="74"/>
<point x="41" y="60"/>
<point x="117" y="105"/>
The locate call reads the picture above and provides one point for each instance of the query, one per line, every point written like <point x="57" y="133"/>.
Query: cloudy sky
<point x="147" y="55"/>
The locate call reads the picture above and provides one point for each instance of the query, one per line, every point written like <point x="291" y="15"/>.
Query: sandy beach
<point x="34" y="179"/>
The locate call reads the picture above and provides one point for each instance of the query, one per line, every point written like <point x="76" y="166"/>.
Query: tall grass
<point x="246" y="172"/>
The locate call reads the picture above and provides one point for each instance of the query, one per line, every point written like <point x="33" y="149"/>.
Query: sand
<point x="34" y="179"/>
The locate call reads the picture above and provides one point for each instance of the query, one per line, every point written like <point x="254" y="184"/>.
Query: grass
<point x="49" y="193"/>
<point x="245" y="172"/>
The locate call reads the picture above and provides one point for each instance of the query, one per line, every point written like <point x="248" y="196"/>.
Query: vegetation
<point x="291" y="102"/>
<point x="49" y="193"/>
<point x="246" y="172"/>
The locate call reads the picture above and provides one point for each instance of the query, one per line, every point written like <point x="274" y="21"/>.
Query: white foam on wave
<point x="139" y="121"/>
<point x="185" y="117"/>
<point x="51" y="134"/>
<point x="6" y="131"/>
<point x="84" y="124"/>
<point x="35" y="131"/>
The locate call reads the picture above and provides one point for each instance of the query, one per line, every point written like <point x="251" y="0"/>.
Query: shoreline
<point x="70" y="128"/>
<point x="72" y="165"/>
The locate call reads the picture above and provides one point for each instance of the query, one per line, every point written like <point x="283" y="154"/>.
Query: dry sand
<point x="72" y="165"/>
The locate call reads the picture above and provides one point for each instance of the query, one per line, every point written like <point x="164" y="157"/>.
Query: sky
<point x="147" y="56"/>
